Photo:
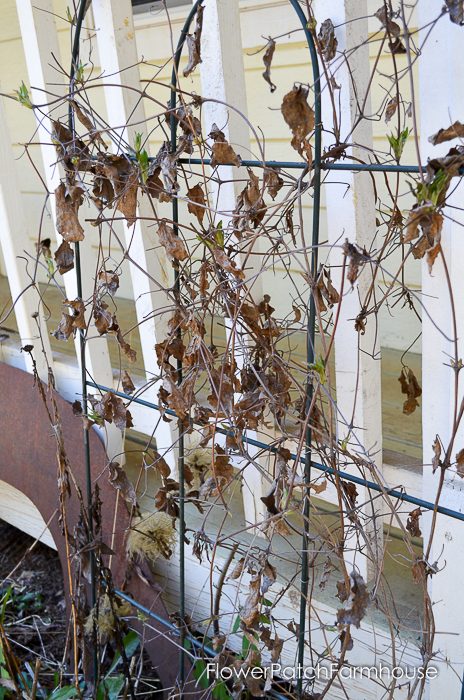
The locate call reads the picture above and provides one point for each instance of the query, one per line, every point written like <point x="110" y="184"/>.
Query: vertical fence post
<point x="117" y="49"/>
<point x="440" y="95"/>
<point x="351" y="215"/>
<point x="40" y="41"/>
<point x="223" y="78"/>
<point x="14" y="240"/>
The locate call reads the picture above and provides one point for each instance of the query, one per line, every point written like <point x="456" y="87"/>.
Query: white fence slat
<point x="40" y="42"/>
<point x="351" y="215"/>
<point x="117" y="49"/>
<point x="440" y="94"/>
<point x="14" y="241"/>
<point x="223" y="78"/>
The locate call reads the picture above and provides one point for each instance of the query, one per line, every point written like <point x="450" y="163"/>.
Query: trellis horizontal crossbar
<point x="394" y="493"/>
<point x="360" y="167"/>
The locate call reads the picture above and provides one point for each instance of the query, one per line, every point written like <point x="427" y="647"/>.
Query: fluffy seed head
<point x="151" y="536"/>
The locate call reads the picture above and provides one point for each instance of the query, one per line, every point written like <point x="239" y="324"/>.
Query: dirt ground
<point x="31" y="586"/>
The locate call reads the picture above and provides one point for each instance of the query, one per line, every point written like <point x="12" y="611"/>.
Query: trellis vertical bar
<point x="311" y="327"/>
<point x="39" y="34"/>
<point x="15" y="243"/>
<point x="357" y="353"/>
<point x="117" y="49"/>
<point x="440" y="94"/>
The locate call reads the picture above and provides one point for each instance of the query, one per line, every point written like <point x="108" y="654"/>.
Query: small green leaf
<point x="110" y="688"/>
<point x="319" y="368"/>
<point x="219" y="235"/>
<point x="22" y="95"/>
<point x="69" y="691"/>
<point x="397" y="143"/>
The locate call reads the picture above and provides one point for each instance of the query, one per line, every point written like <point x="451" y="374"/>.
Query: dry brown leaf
<point x="299" y="117"/>
<point x="272" y="181"/>
<point x="227" y="264"/>
<point x="391" y="108"/>
<point x="127" y="383"/>
<point x="194" y="43"/>
<point x="171" y="242"/>
<point x="392" y="28"/>
<point x="108" y="281"/>
<point x="154" y="184"/>
<point x="460" y="463"/>
<point x="327" y="40"/>
<point x="356" y="261"/>
<point x="359" y="602"/>
<point x="455" y="131"/>
<point x="456" y="10"/>
<point x="85" y="120"/>
<point x="267" y="60"/>
<point x="409" y="386"/>
<point x="222" y="151"/>
<point x="65" y="327"/>
<point x="412" y="525"/>
<point x="64" y="258"/>
<point x="118" y="478"/>
<point x="112" y="409"/>
<point x="250" y="208"/>
<point x="197" y="202"/>
<point x="67" y="207"/>
<point x="436" y="459"/>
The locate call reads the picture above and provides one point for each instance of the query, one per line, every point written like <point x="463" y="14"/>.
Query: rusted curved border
<point x="28" y="462"/>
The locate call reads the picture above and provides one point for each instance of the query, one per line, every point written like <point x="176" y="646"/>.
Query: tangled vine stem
<point x="248" y="390"/>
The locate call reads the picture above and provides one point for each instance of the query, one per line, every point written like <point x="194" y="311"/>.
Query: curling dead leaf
<point x="267" y="60"/>
<point x="127" y="383"/>
<point x="454" y="131"/>
<point x="359" y="602"/>
<point x="108" y="281"/>
<point x="227" y="264"/>
<point x="172" y="243"/>
<point x="64" y="258"/>
<point x="197" y="202"/>
<point x="85" y="120"/>
<point x="77" y="312"/>
<point x="154" y="184"/>
<point x="436" y="461"/>
<point x="117" y="180"/>
<point x="327" y="40"/>
<point x="456" y="10"/>
<point x="356" y="260"/>
<point x="249" y="614"/>
<point x="391" y="108"/>
<point x="409" y="386"/>
<point x="319" y="488"/>
<point x="118" y="478"/>
<point x="272" y="181"/>
<point x="392" y="28"/>
<point x="460" y="463"/>
<point x="222" y="152"/>
<point x="67" y="207"/>
<point x="250" y="208"/>
<point x="194" y="44"/>
<point x="112" y="409"/>
<point x="65" y="327"/>
<point x="237" y="570"/>
<point x="325" y="290"/>
<point x="412" y="525"/>
<point x="424" y="217"/>
<point x="300" y="118"/>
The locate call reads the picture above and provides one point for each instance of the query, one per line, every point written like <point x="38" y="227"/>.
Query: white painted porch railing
<point x="351" y="217"/>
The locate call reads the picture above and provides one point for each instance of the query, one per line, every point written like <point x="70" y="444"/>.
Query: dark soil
<point x="35" y="613"/>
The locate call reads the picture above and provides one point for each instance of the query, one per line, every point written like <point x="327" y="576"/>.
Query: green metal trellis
<point x="318" y="165"/>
